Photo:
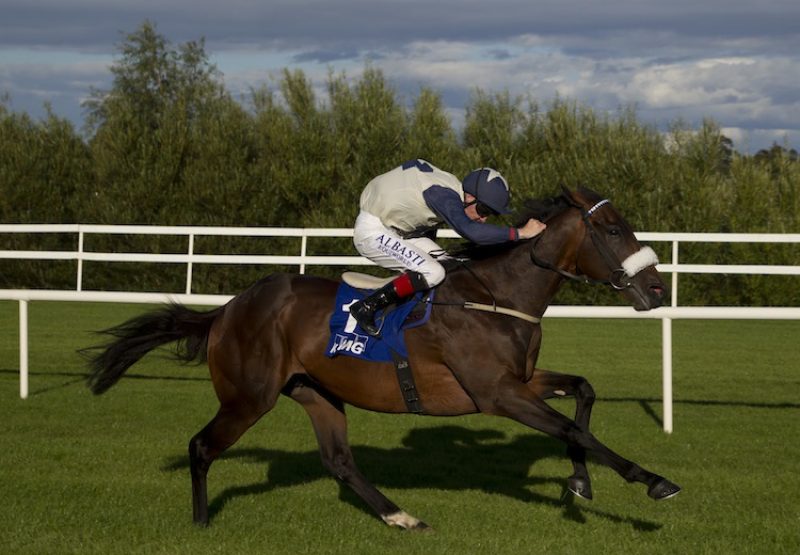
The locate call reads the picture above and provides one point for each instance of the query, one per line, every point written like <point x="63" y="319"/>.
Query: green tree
<point x="45" y="172"/>
<point x="430" y="134"/>
<point x="44" y="169"/>
<point x="493" y="122"/>
<point x="141" y="130"/>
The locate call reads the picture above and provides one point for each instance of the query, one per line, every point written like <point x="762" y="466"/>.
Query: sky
<point x="735" y="62"/>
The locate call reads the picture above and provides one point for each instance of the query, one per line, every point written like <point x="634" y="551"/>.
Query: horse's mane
<point x="543" y="209"/>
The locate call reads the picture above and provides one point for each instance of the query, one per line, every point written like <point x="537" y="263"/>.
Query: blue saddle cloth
<point x="347" y="337"/>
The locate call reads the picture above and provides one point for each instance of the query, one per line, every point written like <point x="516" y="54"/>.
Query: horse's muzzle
<point x="647" y="291"/>
<point x="659" y="294"/>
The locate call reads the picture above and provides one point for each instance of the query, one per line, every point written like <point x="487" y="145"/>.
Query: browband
<point x="594" y="208"/>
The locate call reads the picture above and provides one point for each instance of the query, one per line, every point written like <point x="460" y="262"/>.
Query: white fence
<point x="302" y="260"/>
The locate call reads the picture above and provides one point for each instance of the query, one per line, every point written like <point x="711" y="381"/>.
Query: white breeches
<point x="387" y="249"/>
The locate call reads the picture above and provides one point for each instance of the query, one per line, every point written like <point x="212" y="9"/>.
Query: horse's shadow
<point x="445" y="458"/>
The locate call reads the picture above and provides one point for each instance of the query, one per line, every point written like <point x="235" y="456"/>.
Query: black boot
<point x="364" y="310"/>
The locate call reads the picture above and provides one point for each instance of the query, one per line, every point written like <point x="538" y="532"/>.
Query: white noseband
<point x="638" y="261"/>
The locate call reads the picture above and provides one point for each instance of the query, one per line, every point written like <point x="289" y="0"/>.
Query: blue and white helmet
<point x="489" y="187"/>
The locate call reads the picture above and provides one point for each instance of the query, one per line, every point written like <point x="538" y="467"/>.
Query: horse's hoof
<point x="580" y="487"/>
<point x="663" y="489"/>
<point x="402" y="519"/>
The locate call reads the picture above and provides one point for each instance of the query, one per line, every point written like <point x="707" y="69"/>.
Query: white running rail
<point x="302" y="260"/>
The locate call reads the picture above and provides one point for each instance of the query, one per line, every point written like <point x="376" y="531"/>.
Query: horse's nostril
<point x="657" y="290"/>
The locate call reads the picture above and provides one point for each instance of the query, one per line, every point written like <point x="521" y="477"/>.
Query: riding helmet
<point x="489" y="187"/>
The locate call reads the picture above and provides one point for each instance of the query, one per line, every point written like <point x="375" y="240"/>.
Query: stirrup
<point x="374" y="329"/>
<point x="378" y="328"/>
<point x="371" y="327"/>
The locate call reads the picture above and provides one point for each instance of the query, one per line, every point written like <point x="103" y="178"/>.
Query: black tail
<point x="138" y="336"/>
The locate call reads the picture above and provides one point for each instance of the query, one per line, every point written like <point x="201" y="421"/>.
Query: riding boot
<point x="364" y="310"/>
<point x="401" y="287"/>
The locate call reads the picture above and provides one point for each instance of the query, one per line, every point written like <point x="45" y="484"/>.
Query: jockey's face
<point x="471" y="209"/>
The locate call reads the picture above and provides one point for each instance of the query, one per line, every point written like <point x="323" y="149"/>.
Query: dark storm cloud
<point x="733" y="61"/>
<point x="377" y="23"/>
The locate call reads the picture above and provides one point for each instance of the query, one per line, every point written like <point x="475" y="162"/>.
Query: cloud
<point x="325" y="56"/>
<point x="743" y="92"/>
<point x="733" y="61"/>
<point x="387" y="23"/>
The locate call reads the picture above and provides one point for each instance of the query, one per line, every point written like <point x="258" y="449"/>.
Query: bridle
<point x="618" y="277"/>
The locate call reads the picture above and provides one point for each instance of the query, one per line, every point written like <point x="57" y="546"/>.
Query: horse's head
<point x="605" y="249"/>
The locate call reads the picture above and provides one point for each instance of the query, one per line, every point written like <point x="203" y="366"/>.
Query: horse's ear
<point x="568" y="195"/>
<point x="582" y="196"/>
<point x="588" y="193"/>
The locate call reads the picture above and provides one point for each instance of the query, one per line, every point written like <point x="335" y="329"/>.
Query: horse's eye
<point x="614" y="231"/>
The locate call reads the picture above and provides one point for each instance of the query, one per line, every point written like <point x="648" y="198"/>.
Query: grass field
<point x="109" y="474"/>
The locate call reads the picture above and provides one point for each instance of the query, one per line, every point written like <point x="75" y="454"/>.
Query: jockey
<point x="400" y="210"/>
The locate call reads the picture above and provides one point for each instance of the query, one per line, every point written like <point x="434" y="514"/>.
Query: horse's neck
<point x="510" y="279"/>
<point x="534" y="287"/>
<point x="559" y="245"/>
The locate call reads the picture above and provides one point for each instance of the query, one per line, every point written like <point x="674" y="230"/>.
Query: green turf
<point x="108" y="474"/>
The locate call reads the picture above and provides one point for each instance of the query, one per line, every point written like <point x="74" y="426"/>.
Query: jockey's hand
<point x="531" y="229"/>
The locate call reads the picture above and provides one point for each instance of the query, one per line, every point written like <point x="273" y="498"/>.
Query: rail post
<point x="189" y="265"/>
<point x="666" y="372"/>
<point x="23" y="349"/>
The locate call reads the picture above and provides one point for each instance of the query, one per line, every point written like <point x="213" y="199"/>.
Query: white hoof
<point x="402" y="519"/>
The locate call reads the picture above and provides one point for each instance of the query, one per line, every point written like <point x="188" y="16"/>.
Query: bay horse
<point x="271" y="340"/>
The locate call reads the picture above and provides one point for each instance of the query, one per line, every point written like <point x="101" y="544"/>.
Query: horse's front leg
<point x="514" y="399"/>
<point x="548" y="385"/>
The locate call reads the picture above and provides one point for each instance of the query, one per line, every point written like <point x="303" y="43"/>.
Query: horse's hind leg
<point x="330" y="426"/>
<point x="548" y="385"/>
<point x="230" y="422"/>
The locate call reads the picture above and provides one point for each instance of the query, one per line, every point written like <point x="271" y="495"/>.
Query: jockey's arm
<point x="447" y="204"/>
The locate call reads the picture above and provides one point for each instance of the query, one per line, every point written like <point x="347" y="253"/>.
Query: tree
<point x="44" y="169"/>
<point x="142" y="129"/>
<point x="430" y="135"/>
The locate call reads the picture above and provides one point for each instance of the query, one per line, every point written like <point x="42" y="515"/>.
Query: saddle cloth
<point x="347" y="338"/>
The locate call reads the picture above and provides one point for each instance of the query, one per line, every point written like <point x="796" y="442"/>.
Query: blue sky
<point x="735" y="62"/>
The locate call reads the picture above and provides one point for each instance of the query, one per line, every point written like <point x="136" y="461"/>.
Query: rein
<point x="502" y="310"/>
<point x="470" y="305"/>
<point x="616" y="276"/>
<point x="553" y="268"/>
<point x="483" y="307"/>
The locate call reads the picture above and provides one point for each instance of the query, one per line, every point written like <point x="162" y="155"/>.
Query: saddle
<point x="345" y="339"/>
<point x="365" y="281"/>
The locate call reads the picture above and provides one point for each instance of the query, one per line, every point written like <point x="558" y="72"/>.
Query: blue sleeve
<point x="449" y="206"/>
